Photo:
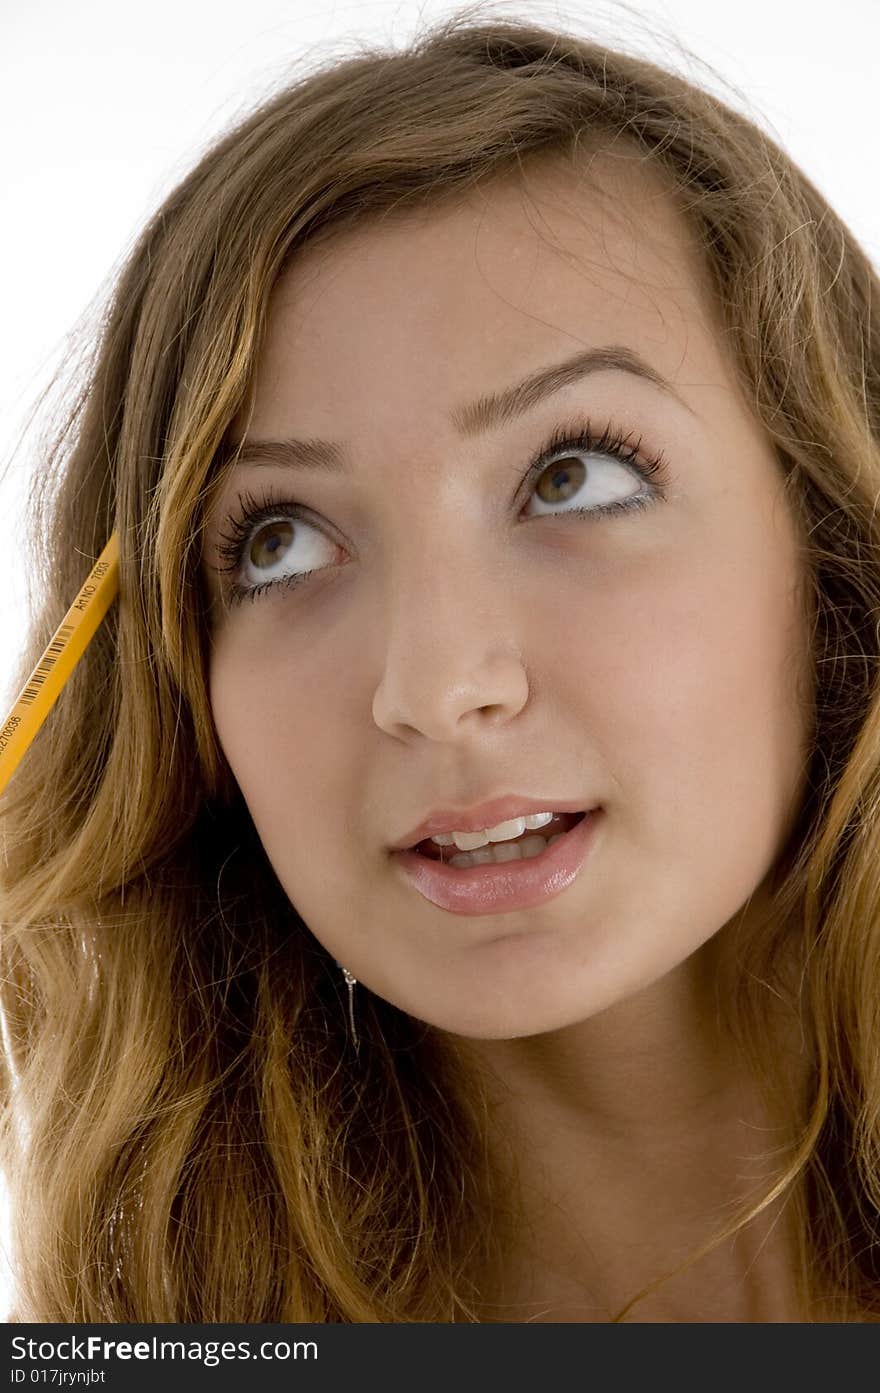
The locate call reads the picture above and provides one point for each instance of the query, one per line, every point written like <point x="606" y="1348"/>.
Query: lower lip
<point x="498" y="888"/>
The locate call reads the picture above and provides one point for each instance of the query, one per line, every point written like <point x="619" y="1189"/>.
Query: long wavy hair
<point x="187" y="1135"/>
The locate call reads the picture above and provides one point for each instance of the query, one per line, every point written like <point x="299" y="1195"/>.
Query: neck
<point x="625" y="1143"/>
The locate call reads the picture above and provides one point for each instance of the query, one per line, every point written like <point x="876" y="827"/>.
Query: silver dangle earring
<point x="351" y="983"/>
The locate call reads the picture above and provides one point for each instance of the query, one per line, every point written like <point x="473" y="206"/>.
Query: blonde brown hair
<point x="187" y="1135"/>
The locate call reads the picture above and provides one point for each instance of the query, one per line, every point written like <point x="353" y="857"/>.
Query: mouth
<point x="530" y="870"/>
<point x="526" y="846"/>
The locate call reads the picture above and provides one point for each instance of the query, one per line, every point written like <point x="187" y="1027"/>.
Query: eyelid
<point x="611" y="440"/>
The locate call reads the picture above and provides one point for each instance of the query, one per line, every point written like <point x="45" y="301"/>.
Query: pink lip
<point x="496" y="889"/>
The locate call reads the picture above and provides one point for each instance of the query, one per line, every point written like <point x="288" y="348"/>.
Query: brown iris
<point x="561" y="479"/>
<point x="269" y="541"/>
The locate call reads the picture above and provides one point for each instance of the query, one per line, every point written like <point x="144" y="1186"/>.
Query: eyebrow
<point x="488" y="412"/>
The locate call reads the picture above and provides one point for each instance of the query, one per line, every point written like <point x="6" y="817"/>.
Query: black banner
<point x="349" y="1358"/>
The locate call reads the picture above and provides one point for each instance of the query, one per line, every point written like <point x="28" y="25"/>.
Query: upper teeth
<point x="502" y="832"/>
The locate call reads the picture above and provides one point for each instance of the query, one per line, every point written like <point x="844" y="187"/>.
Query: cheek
<point x="690" y="684"/>
<point x="290" y="736"/>
<point x="247" y="692"/>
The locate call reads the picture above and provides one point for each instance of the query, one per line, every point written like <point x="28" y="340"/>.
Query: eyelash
<point x="565" y="439"/>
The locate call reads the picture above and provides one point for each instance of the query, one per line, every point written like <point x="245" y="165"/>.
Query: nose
<point x="453" y="665"/>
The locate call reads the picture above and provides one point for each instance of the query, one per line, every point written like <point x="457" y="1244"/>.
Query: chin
<point x="506" y="1022"/>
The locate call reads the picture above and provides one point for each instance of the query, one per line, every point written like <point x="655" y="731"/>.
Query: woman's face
<point x="466" y="633"/>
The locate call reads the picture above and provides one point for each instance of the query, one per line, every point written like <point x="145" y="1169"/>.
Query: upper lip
<point x="489" y="814"/>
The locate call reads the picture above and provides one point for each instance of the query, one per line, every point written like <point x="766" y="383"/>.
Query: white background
<point x="105" y="105"/>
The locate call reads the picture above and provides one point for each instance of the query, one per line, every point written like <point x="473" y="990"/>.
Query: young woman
<point x="447" y="888"/>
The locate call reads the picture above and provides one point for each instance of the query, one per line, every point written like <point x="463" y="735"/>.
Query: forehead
<point x="519" y="270"/>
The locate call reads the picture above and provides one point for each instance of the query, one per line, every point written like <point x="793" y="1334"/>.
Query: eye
<point x="268" y="545"/>
<point x="596" y="473"/>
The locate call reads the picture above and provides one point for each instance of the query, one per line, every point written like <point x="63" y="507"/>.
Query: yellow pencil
<point x="69" y="642"/>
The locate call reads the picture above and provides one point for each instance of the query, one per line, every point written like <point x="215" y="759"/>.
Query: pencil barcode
<point x="46" y="664"/>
